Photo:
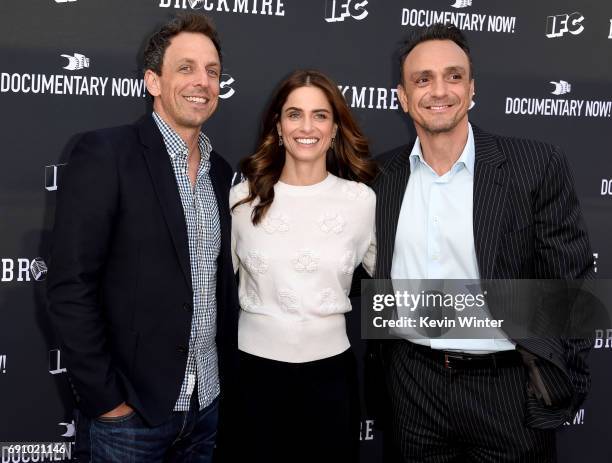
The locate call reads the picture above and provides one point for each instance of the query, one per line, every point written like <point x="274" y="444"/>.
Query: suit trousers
<point x="298" y="412"/>
<point x="463" y="413"/>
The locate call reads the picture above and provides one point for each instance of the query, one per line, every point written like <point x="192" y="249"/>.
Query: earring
<point x="333" y="143"/>
<point x="280" y="140"/>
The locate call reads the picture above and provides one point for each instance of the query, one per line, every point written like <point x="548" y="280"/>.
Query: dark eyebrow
<point x="458" y="69"/>
<point x="426" y="73"/>
<point x="293" y="108"/>
<point x="191" y="61"/>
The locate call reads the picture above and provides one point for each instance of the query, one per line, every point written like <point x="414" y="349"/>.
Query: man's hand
<point x="119" y="411"/>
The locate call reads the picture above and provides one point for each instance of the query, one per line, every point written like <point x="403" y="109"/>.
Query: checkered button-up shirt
<point x="204" y="235"/>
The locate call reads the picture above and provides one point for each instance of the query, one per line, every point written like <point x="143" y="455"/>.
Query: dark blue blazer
<point x="119" y="282"/>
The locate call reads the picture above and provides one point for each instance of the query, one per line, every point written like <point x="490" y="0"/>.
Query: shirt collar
<point x="175" y="144"/>
<point x="467" y="158"/>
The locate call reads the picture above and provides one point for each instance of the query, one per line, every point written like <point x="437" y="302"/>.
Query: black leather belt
<point x="451" y="359"/>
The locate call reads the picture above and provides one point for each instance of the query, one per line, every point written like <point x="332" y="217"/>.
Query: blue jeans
<point x="186" y="437"/>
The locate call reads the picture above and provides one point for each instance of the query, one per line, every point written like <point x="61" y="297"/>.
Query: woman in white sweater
<point x="301" y="223"/>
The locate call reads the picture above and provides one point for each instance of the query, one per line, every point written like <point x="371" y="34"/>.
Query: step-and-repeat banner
<point x="542" y="69"/>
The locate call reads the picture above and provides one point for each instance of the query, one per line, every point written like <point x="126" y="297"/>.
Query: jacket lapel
<point x="490" y="187"/>
<point x="166" y="189"/>
<point x="221" y="188"/>
<point x="390" y="186"/>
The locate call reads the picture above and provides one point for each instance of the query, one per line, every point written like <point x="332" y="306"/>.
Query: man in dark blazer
<point x="141" y="287"/>
<point x="459" y="203"/>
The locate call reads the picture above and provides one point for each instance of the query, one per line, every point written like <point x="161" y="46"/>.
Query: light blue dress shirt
<point x="435" y="235"/>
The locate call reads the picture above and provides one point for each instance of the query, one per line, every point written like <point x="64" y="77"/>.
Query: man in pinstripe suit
<point x="459" y="203"/>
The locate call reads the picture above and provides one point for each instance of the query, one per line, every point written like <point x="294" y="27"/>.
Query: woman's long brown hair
<point x="349" y="159"/>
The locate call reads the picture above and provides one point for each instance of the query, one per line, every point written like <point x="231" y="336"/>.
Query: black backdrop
<point x="543" y="70"/>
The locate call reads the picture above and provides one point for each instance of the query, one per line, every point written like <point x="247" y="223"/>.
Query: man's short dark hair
<point x="437" y="31"/>
<point x="183" y="22"/>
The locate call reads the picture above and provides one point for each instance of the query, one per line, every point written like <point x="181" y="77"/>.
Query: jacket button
<point x="187" y="307"/>
<point x="182" y="349"/>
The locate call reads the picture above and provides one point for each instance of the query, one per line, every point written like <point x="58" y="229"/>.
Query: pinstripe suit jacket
<point x="527" y="224"/>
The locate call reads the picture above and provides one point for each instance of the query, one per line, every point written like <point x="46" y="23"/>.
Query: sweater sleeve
<point x="369" y="259"/>
<point x="237" y="193"/>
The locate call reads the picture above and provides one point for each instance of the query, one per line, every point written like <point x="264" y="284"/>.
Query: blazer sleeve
<point x="563" y="251"/>
<point x="562" y="244"/>
<point x="85" y="214"/>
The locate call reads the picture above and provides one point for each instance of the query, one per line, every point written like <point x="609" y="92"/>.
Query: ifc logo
<point x="345" y="8"/>
<point x="38" y="269"/>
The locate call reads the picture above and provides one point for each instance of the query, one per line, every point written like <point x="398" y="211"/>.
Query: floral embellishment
<point x="332" y="222"/>
<point x="250" y="300"/>
<point x="276" y="222"/>
<point x="256" y="262"/>
<point x="354" y="190"/>
<point x="347" y="263"/>
<point x="328" y="301"/>
<point x="306" y="261"/>
<point x="288" y="301"/>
